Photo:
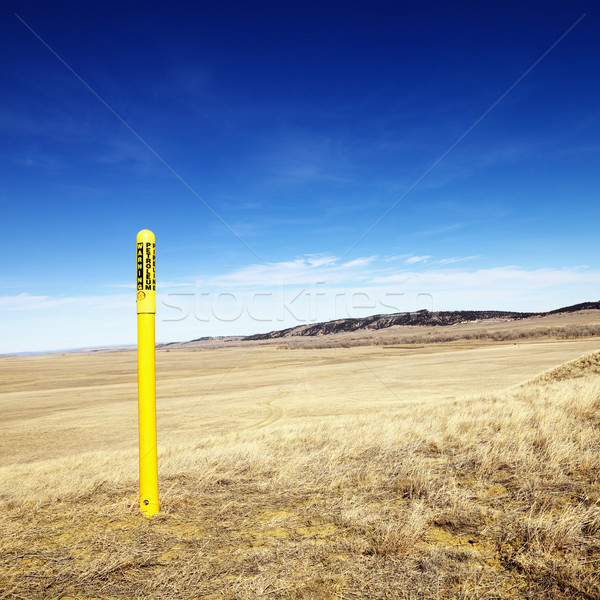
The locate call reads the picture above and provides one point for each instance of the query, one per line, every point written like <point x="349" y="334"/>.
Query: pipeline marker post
<point x="146" y="309"/>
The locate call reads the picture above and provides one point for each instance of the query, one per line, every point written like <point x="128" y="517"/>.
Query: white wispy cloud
<point x="359" y="262"/>
<point x="417" y="259"/>
<point x="436" y="231"/>
<point x="301" y="271"/>
<point x="377" y="271"/>
<point x="448" y="261"/>
<point x="394" y="257"/>
<point x="491" y="278"/>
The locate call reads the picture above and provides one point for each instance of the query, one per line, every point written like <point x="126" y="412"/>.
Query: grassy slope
<point x="489" y="496"/>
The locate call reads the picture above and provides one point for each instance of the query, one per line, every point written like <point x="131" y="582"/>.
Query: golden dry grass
<point x="371" y="472"/>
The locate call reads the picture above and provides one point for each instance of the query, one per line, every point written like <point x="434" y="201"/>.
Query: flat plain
<point x="423" y="468"/>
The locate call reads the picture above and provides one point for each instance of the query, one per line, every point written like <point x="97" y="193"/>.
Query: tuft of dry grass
<point x="581" y="367"/>
<point x="490" y="496"/>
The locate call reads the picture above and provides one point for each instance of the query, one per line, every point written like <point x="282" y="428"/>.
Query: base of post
<point x="148" y="508"/>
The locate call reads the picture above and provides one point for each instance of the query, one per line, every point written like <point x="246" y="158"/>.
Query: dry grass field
<point x="459" y="469"/>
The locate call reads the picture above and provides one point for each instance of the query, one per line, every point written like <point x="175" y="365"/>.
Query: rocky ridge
<point x="421" y="317"/>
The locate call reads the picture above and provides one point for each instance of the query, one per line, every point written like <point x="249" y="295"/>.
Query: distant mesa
<point x="421" y="318"/>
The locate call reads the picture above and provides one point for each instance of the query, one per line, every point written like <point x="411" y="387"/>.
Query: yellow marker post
<point x="146" y="309"/>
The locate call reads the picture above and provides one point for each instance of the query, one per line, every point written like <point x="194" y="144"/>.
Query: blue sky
<point x="261" y="141"/>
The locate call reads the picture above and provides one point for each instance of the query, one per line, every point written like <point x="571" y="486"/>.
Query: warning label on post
<point x="146" y="271"/>
<point x="146" y="266"/>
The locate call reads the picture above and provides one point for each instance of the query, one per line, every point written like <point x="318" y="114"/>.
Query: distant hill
<point x="575" y="308"/>
<point x="421" y="317"/>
